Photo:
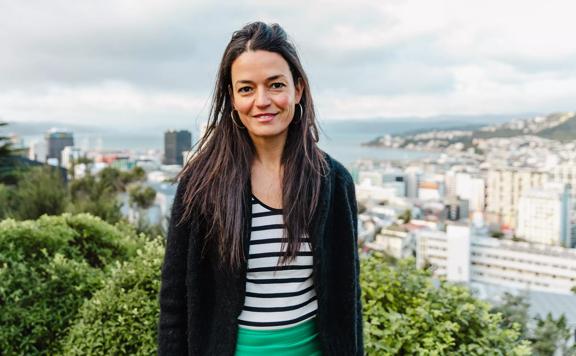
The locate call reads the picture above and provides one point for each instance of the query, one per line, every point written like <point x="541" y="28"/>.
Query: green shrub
<point x="121" y="318"/>
<point x="405" y="314"/>
<point x="48" y="268"/>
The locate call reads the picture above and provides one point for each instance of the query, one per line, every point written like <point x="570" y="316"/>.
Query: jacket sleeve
<point x="172" y="333"/>
<point x="351" y="190"/>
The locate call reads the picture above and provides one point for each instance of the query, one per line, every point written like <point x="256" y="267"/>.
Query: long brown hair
<point x="218" y="174"/>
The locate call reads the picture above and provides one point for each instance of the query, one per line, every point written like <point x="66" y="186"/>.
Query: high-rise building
<point x="544" y="215"/>
<point x="56" y="140"/>
<point x="504" y="187"/>
<point x="175" y="143"/>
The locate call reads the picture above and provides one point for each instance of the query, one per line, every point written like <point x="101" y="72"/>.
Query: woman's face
<point x="264" y="93"/>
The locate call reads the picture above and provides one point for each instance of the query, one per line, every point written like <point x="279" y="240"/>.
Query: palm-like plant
<point x="5" y="144"/>
<point x="9" y="163"/>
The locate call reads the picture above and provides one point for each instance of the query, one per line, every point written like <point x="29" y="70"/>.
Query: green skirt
<point x="299" y="340"/>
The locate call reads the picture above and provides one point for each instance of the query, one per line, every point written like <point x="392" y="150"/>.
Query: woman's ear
<point x="299" y="89"/>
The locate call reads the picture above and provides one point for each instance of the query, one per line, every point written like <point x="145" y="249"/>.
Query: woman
<point x="261" y="255"/>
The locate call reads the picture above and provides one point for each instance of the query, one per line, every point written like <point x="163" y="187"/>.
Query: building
<point x="70" y="155"/>
<point x="456" y="209"/>
<point x="504" y="188"/>
<point x="175" y="143"/>
<point x="395" y="241"/>
<point x="38" y="151"/>
<point x="56" y="140"/>
<point x="544" y="215"/>
<point x="430" y="189"/>
<point x="565" y="173"/>
<point x="459" y="255"/>
<point x="413" y="175"/>
<point x="472" y="189"/>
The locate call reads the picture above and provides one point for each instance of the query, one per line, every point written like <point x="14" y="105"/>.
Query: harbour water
<point x="341" y="139"/>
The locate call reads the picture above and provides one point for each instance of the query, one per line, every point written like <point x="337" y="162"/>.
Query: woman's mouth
<point x="265" y="117"/>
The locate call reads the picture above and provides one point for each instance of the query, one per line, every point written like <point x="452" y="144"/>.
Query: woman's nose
<point x="262" y="98"/>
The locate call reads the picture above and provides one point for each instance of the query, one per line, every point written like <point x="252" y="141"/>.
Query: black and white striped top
<point x="277" y="296"/>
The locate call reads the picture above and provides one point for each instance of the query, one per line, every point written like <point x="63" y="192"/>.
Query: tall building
<point x="504" y="187"/>
<point x="472" y="189"/>
<point x="56" y="140"/>
<point x="544" y="215"/>
<point x="175" y="143"/>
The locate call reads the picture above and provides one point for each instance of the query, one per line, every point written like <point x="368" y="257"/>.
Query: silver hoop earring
<point x="301" y="113"/>
<point x="234" y="121"/>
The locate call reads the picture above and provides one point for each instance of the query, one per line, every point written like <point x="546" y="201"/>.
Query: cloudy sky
<point x="150" y="63"/>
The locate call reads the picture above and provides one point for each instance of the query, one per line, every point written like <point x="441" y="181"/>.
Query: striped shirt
<point x="277" y="296"/>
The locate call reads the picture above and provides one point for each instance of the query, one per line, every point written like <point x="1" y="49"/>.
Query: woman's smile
<point x="266" y="117"/>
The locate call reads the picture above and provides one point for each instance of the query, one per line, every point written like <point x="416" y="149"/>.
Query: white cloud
<point x="133" y="58"/>
<point x="109" y="103"/>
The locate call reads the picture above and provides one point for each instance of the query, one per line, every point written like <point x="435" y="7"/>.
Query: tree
<point x="141" y="198"/>
<point x="8" y="160"/>
<point x="5" y="201"/>
<point x="118" y="180"/>
<point x="405" y="314"/>
<point x="514" y="310"/>
<point x="406" y="216"/>
<point x="40" y="191"/>
<point x="94" y="196"/>
<point x="551" y="335"/>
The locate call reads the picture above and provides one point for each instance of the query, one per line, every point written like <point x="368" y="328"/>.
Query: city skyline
<point x="132" y="63"/>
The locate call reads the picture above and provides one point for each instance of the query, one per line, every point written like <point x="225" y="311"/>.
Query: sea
<point x="342" y="139"/>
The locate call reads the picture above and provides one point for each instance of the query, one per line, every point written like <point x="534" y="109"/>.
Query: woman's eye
<point x="277" y="85"/>
<point x="244" y="89"/>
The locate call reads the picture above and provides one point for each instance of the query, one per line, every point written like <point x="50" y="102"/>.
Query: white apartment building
<point x="395" y="242"/>
<point x="504" y="187"/>
<point x="472" y="189"/>
<point x="365" y="191"/>
<point x="461" y="257"/>
<point x="544" y="215"/>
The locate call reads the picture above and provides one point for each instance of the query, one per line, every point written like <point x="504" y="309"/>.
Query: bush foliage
<point x="405" y="314"/>
<point x="75" y="285"/>
<point x="48" y="268"/>
<point x="121" y="318"/>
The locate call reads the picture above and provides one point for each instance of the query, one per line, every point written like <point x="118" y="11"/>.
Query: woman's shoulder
<point x="338" y="170"/>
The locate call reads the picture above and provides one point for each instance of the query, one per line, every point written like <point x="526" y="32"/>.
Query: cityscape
<point x="496" y="214"/>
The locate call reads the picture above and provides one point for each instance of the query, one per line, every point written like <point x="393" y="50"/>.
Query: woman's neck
<point x="269" y="153"/>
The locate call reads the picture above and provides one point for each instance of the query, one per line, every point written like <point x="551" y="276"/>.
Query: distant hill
<point x="557" y="126"/>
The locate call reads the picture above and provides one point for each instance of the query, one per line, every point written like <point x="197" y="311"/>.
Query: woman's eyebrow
<point x="274" y="77"/>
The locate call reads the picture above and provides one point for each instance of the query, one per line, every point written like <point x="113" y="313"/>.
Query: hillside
<point x="556" y="126"/>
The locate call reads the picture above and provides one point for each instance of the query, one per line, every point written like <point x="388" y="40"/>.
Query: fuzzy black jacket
<point x="200" y="302"/>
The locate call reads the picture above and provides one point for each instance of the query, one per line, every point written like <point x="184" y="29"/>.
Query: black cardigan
<point x="200" y="302"/>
